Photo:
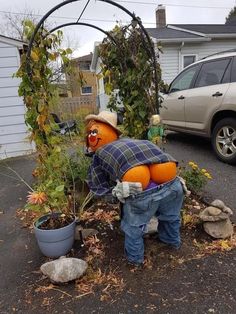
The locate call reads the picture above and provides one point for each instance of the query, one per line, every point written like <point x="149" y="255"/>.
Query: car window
<point x="226" y="77"/>
<point x="233" y="73"/>
<point x="212" y="72"/>
<point x="184" y="80"/>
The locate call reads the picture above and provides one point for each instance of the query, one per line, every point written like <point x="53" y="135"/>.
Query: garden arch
<point x="149" y="48"/>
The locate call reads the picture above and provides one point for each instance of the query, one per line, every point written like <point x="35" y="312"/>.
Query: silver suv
<point x="201" y="100"/>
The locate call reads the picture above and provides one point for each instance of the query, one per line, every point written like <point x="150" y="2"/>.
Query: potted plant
<point x="55" y="234"/>
<point x="53" y="195"/>
<point x="53" y="198"/>
<point x="55" y="230"/>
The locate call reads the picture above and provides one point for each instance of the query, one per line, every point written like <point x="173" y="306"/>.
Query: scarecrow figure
<point x="141" y="176"/>
<point x="156" y="132"/>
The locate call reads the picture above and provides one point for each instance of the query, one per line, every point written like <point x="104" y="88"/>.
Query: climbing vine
<point x="127" y="68"/>
<point x="54" y="169"/>
<point x="36" y="74"/>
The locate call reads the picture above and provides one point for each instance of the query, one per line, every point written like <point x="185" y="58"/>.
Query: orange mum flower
<point x="37" y="198"/>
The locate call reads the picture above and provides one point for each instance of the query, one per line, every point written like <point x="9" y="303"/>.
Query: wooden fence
<point x="72" y="107"/>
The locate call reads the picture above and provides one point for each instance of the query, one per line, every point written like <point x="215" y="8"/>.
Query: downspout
<point x="180" y="55"/>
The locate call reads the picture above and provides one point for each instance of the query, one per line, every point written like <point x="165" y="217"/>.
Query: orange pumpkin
<point x="161" y="173"/>
<point x="100" y="134"/>
<point x="138" y="174"/>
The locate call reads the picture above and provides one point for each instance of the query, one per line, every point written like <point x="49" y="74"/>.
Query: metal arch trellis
<point x="150" y="49"/>
<point x="82" y="24"/>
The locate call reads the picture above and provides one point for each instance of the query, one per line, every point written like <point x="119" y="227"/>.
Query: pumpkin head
<point x="138" y="174"/>
<point x="99" y="134"/>
<point x="161" y="173"/>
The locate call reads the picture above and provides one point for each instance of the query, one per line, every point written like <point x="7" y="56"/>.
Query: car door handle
<point x="217" y="94"/>
<point x="181" y="97"/>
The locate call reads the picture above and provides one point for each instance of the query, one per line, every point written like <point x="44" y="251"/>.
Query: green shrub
<point x="195" y="177"/>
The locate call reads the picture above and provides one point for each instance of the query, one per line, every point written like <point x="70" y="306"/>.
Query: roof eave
<point x="233" y="35"/>
<point x="11" y="41"/>
<point x="177" y="40"/>
<point x="185" y="30"/>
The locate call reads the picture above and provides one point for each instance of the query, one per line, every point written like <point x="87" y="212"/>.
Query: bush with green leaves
<point x="128" y="72"/>
<point x="55" y="170"/>
<point x="196" y="178"/>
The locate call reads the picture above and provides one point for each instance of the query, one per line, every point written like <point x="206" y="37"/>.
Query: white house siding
<point x="208" y="48"/>
<point x="13" y="131"/>
<point x="103" y="98"/>
<point x="171" y="59"/>
<point x="169" y="62"/>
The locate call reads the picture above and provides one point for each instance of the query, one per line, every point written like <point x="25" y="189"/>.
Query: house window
<point x="84" y="65"/>
<point x="86" y="90"/>
<point x="188" y="59"/>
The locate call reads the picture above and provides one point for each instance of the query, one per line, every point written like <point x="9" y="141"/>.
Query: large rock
<point x="64" y="269"/>
<point x="216" y="220"/>
<point x="213" y="214"/>
<point x="219" y="204"/>
<point x="219" y="229"/>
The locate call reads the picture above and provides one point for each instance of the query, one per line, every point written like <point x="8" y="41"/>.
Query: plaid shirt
<point x="111" y="161"/>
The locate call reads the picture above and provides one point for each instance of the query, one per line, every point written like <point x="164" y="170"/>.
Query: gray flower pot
<point x="56" y="242"/>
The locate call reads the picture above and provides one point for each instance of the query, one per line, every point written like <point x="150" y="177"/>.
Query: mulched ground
<point x="172" y="281"/>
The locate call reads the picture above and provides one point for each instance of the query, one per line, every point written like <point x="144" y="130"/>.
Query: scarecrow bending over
<point x="141" y="176"/>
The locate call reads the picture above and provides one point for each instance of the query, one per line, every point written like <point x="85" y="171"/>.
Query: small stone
<point x="213" y="214"/>
<point x="152" y="226"/>
<point x="85" y="233"/>
<point x="89" y="233"/>
<point x="213" y="211"/>
<point x="219" y="229"/>
<point x="228" y="211"/>
<point x="64" y="269"/>
<point x="197" y="207"/>
<point x="218" y="203"/>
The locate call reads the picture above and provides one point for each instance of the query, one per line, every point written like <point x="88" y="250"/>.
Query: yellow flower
<point x="203" y="171"/>
<point x="208" y="175"/>
<point x="37" y="198"/>
<point x="191" y="163"/>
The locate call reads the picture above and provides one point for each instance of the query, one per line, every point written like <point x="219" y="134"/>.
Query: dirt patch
<point x="56" y="221"/>
<point x="170" y="279"/>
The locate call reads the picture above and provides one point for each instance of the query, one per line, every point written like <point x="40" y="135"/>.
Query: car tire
<point x="224" y="140"/>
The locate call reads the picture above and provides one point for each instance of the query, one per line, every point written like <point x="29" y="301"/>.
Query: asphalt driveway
<point x="187" y="148"/>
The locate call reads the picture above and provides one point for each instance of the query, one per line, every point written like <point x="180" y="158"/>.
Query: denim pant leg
<point x="168" y="215"/>
<point x="134" y="246"/>
<point x="135" y="217"/>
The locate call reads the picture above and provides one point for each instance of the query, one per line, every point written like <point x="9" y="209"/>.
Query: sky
<point x="81" y="38"/>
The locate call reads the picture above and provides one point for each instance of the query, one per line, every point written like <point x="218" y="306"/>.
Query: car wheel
<point x="224" y="140"/>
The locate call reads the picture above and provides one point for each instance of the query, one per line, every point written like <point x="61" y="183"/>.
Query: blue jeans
<point x="164" y="202"/>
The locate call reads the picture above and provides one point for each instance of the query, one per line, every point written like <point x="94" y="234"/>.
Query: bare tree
<point x="231" y="18"/>
<point x="12" y="23"/>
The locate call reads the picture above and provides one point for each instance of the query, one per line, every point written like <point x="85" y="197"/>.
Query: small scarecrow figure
<point x="156" y="132"/>
<point x="141" y="176"/>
